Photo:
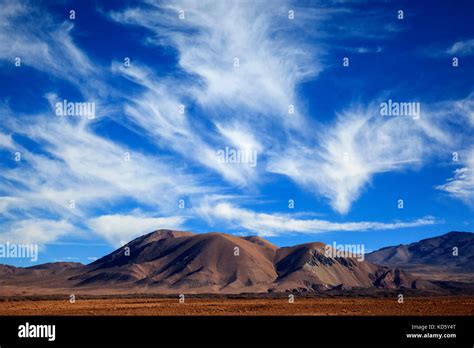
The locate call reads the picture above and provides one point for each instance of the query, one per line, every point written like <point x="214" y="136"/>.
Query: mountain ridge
<point x="439" y="250"/>
<point x="168" y="261"/>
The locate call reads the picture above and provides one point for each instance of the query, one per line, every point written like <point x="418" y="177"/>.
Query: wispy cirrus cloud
<point x="78" y="172"/>
<point x="271" y="58"/>
<point x="461" y="185"/>
<point x="157" y="113"/>
<point x="6" y="141"/>
<point x="78" y="164"/>
<point x="36" y="231"/>
<point x="271" y="225"/>
<point x="348" y="153"/>
<point x="456" y="120"/>
<point x="241" y="58"/>
<point x="119" y="229"/>
<point x="462" y="48"/>
<point x="345" y="155"/>
<point x="43" y="43"/>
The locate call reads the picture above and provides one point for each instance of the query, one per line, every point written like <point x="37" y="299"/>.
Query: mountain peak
<point x="434" y="251"/>
<point x="158" y="235"/>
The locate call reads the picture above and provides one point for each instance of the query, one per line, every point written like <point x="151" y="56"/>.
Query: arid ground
<point x="367" y="306"/>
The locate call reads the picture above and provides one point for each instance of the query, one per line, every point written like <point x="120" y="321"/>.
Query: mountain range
<point x="167" y="261"/>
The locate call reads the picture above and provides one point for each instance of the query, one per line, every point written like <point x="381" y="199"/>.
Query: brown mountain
<point x="449" y="256"/>
<point x="184" y="261"/>
<point x="168" y="261"/>
<point x="37" y="279"/>
<point x="307" y="267"/>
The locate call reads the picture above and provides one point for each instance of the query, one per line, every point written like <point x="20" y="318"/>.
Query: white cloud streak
<point x="91" y="170"/>
<point x="462" y="48"/>
<point x="36" y="231"/>
<point x="276" y="224"/>
<point x="120" y="229"/>
<point x="31" y="34"/>
<point x="239" y="100"/>
<point x="271" y="58"/>
<point x="349" y="152"/>
<point x="461" y="185"/>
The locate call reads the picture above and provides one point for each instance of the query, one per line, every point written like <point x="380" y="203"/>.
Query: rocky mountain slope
<point x="168" y="261"/>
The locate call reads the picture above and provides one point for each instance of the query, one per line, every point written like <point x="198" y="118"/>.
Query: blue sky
<point x="206" y="76"/>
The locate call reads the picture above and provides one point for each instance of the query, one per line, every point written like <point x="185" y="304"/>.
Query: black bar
<point x="225" y="331"/>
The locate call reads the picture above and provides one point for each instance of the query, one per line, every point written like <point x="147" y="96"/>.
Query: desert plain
<point x="240" y="306"/>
